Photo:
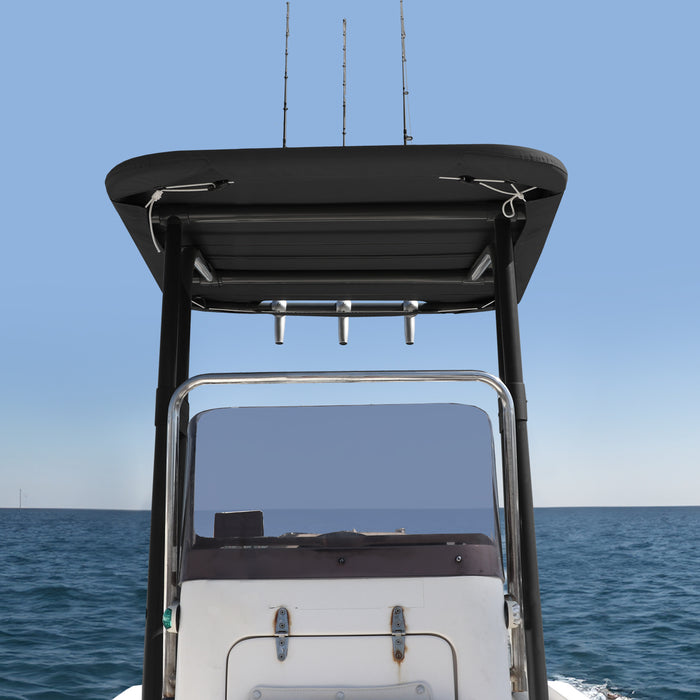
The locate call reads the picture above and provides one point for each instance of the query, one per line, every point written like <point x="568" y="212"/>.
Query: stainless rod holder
<point x="409" y="321"/>
<point x="343" y="307"/>
<point x="279" y="307"/>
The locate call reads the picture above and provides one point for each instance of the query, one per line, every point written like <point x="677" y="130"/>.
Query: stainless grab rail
<point x="509" y="465"/>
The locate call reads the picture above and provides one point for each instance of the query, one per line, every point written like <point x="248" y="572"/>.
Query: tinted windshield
<point x="413" y="468"/>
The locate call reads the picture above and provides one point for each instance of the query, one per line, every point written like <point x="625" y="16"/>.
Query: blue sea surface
<point x="620" y="599"/>
<point x="72" y="602"/>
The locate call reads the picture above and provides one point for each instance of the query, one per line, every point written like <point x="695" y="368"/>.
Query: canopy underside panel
<point x="362" y="223"/>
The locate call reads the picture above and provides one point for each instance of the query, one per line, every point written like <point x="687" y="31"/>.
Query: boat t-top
<point x="348" y="550"/>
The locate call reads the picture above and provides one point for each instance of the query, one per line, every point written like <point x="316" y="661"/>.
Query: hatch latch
<point x="282" y="633"/>
<point x="398" y="633"/>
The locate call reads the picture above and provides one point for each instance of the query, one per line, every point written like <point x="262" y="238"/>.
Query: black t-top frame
<point x="453" y="227"/>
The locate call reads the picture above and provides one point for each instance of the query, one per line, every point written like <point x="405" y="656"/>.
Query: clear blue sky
<point x="610" y="322"/>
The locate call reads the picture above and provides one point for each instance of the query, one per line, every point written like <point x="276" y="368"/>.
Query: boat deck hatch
<point x="352" y="667"/>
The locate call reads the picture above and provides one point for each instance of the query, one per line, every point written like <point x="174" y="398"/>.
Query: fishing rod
<point x="345" y="55"/>
<point x="284" y="107"/>
<point x="404" y="81"/>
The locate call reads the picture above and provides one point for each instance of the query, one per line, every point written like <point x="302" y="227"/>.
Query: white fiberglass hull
<point x="558" y="690"/>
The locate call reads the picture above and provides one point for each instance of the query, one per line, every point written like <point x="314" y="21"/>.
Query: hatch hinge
<point x="398" y="633"/>
<point x="282" y="633"/>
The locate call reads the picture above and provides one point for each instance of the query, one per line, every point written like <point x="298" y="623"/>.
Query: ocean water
<point x="620" y="597"/>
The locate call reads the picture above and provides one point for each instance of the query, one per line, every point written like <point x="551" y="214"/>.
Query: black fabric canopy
<point x="371" y="223"/>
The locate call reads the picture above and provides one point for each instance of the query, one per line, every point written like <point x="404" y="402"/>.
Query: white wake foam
<point x="595" y="692"/>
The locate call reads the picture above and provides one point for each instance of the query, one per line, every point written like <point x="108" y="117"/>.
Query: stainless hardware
<point x="282" y="633"/>
<point x="410" y="308"/>
<point x="343" y="307"/>
<point x="513" y="613"/>
<point x="398" y="633"/>
<point x="483" y="263"/>
<point x="204" y="269"/>
<point x="278" y="308"/>
<point x="383" y="309"/>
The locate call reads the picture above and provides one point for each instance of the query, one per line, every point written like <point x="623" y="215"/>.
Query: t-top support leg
<point x="511" y="371"/>
<point x="173" y="369"/>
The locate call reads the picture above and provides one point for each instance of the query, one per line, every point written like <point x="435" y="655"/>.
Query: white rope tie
<point x="508" y="207"/>
<point x="194" y="187"/>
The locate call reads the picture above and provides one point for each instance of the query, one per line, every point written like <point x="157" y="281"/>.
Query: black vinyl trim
<point x="480" y="557"/>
